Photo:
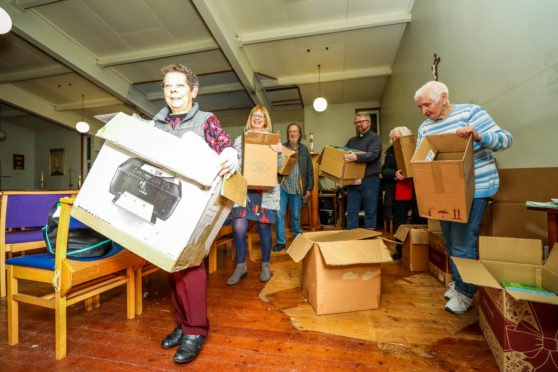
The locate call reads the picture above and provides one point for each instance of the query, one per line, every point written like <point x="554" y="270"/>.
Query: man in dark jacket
<point x="298" y="183"/>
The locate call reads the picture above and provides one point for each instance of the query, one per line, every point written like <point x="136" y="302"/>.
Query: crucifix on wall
<point x="434" y="66"/>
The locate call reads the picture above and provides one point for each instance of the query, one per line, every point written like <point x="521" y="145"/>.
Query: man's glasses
<point x="258" y="116"/>
<point x="178" y="86"/>
<point x="360" y="122"/>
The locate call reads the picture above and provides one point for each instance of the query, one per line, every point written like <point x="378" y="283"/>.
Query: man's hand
<point x="229" y="160"/>
<point x="308" y="193"/>
<point x="350" y="156"/>
<point x="469" y="131"/>
<point x="277" y="148"/>
<point x="399" y="175"/>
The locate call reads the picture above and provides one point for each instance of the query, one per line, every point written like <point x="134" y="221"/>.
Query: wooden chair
<point x="22" y="215"/>
<point x="73" y="280"/>
<point x="225" y="236"/>
<point x="145" y="270"/>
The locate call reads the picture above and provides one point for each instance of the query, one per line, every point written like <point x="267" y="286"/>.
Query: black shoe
<point x="278" y="247"/>
<point x="173" y="339"/>
<point x="189" y="349"/>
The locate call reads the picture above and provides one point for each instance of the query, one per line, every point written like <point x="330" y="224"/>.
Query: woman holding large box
<point x="261" y="205"/>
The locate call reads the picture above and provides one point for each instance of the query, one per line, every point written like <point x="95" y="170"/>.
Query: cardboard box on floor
<point x="156" y="194"/>
<point x="404" y="148"/>
<point x="291" y="157"/>
<point x="438" y="260"/>
<point x="415" y="246"/>
<point x="259" y="161"/>
<point x="521" y="328"/>
<point x="444" y="178"/>
<point x="333" y="166"/>
<point x="341" y="269"/>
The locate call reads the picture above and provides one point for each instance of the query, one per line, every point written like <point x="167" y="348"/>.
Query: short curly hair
<point x="191" y="78"/>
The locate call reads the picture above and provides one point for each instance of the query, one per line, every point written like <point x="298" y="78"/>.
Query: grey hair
<point x="365" y="114"/>
<point x="403" y="130"/>
<point x="434" y="90"/>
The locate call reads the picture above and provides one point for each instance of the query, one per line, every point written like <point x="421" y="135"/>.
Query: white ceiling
<point x="245" y="52"/>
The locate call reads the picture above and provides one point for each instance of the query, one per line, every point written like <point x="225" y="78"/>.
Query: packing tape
<point x="437" y="178"/>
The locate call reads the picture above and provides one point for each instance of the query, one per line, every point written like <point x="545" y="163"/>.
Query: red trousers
<point x="188" y="293"/>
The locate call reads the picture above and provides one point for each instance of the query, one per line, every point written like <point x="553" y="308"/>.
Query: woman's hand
<point x="399" y="175"/>
<point x="278" y="148"/>
<point x="469" y="131"/>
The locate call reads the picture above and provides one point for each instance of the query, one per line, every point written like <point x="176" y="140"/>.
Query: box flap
<point x="343" y="235"/>
<point x="525" y="251"/>
<point x="163" y="149"/>
<point x="552" y="261"/>
<point x="421" y="236"/>
<point x="354" y="252"/>
<point x="474" y="272"/>
<point x="402" y="232"/>
<point x="300" y="247"/>
<point x="526" y="296"/>
<point x="234" y="189"/>
<point x="260" y="138"/>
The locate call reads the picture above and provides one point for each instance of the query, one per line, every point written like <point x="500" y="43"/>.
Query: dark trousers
<point x="188" y="293"/>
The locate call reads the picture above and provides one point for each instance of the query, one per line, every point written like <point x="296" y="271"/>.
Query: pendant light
<point x="320" y="103"/>
<point x="82" y="126"/>
<point x="5" y="22"/>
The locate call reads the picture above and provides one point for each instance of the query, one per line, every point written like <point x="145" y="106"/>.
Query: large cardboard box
<point x="404" y="148"/>
<point x="291" y="157"/>
<point x="157" y="195"/>
<point x="434" y="225"/>
<point x="259" y="161"/>
<point x="341" y="269"/>
<point x="444" y="177"/>
<point x="415" y="246"/>
<point x="333" y="166"/>
<point x="521" y="328"/>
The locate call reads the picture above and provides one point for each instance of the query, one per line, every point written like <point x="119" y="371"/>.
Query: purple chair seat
<point x="14" y="237"/>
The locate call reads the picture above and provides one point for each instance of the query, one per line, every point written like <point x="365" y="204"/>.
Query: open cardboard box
<point x="259" y="161"/>
<point x="404" y="148"/>
<point x="341" y="269"/>
<point x="157" y="195"/>
<point x="291" y="157"/>
<point x="333" y="166"/>
<point x="415" y="246"/>
<point x="444" y="177"/>
<point x="521" y="328"/>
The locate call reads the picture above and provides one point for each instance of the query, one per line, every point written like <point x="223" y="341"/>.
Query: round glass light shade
<point x="3" y="135"/>
<point x="82" y="127"/>
<point x="320" y="104"/>
<point x="5" y="22"/>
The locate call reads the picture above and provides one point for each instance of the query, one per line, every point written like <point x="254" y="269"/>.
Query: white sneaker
<point x="459" y="303"/>
<point x="450" y="291"/>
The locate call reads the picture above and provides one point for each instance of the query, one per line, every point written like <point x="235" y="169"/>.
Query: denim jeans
<point x="367" y="194"/>
<point x="295" y="202"/>
<point x="460" y="240"/>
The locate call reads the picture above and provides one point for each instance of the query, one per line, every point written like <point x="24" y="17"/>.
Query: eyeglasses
<point x="360" y="122"/>
<point x="258" y="116"/>
<point x="177" y="86"/>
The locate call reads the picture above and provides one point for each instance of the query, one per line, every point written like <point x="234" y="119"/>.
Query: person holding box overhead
<point x="188" y="287"/>
<point x="261" y="205"/>
<point x="298" y="183"/>
<point x="365" y="193"/>
<point x="465" y="120"/>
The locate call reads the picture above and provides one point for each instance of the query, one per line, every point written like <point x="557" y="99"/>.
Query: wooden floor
<point x="255" y="326"/>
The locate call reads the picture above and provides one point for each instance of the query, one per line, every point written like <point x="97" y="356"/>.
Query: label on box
<point x="430" y="156"/>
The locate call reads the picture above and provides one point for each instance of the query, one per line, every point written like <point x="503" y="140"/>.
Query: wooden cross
<point x="434" y="66"/>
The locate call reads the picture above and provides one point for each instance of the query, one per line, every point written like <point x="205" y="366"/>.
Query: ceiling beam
<point x="155" y="53"/>
<point x="261" y="36"/>
<point x="334" y="76"/>
<point x="218" y="24"/>
<point x="38" y="73"/>
<point x="213" y="89"/>
<point x="60" y="46"/>
<point x="27" y="4"/>
<point x="88" y="104"/>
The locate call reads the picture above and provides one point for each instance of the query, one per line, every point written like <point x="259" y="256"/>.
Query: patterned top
<point x="214" y="134"/>
<point x="494" y="138"/>
<point x="291" y="183"/>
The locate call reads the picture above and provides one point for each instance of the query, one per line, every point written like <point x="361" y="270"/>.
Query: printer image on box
<point x="145" y="190"/>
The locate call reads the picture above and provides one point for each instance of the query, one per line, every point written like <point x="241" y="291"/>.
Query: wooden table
<point x="552" y="223"/>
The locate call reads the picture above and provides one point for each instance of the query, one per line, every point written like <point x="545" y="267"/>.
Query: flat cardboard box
<point x="438" y="255"/>
<point x="434" y="225"/>
<point x="259" y="161"/>
<point x="444" y="177"/>
<point x="520" y="327"/>
<point x="143" y="193"/>
<point x="415" y="246"/>
<point x="291" y="157"/>
<point x="514" y="220"/>
<point x="404" y="148"/>
<point x="333" y="166"/>
<point x="341" y="269"/>
<point x="518" y="185"/>
<point x="443" y="277"/>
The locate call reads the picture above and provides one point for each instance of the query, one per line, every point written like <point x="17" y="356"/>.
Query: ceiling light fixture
<point x="320" y="103"/>
<point x="82" y="126"/>
<point x="5" y="22"/>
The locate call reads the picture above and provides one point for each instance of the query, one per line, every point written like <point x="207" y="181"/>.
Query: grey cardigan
<point x="271" y="197"/>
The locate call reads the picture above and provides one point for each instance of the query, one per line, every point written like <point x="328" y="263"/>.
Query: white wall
<point x="500" y="54"/>
<point x="19" y="140"/>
